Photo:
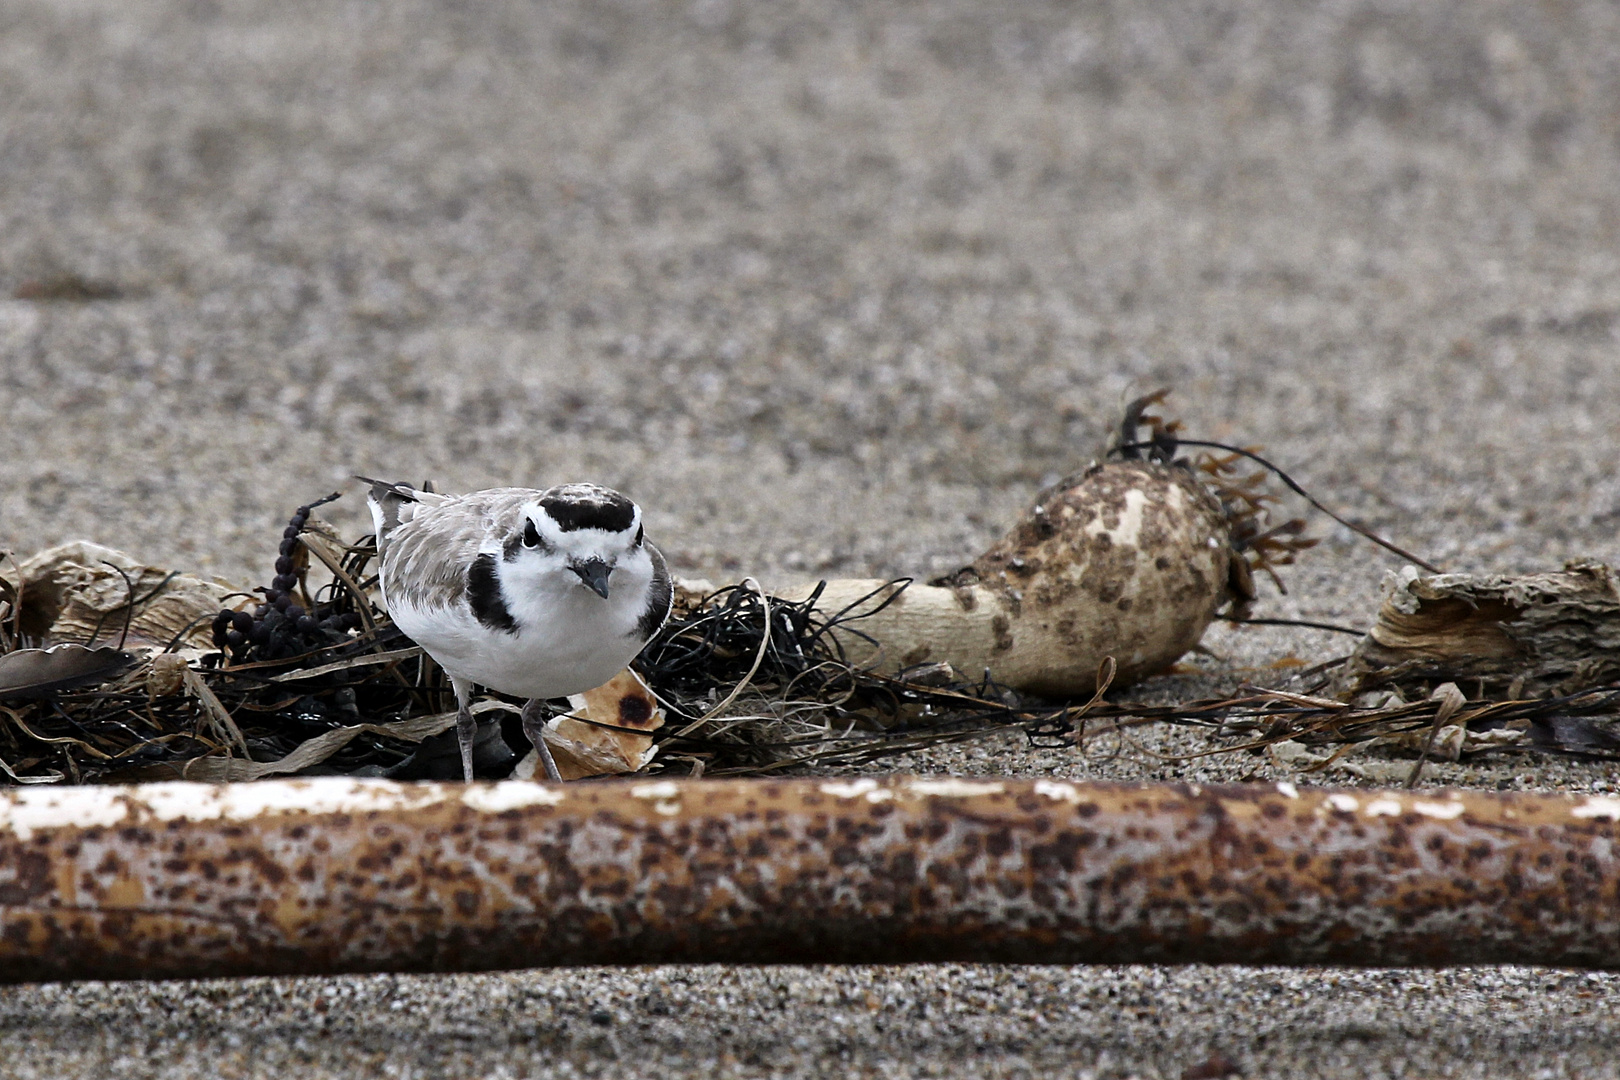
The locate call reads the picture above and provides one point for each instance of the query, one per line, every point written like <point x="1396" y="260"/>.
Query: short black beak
<point x="593" y="572"/>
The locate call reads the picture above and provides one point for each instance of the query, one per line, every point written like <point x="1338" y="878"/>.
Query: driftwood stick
<point x="341" y="875"/>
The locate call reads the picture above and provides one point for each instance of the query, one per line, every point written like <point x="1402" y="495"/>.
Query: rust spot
<point x="30" y="878"/>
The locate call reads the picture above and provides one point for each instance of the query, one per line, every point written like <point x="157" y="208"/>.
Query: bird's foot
<point x="466" y="733"/>
<point x="535" y="714"/>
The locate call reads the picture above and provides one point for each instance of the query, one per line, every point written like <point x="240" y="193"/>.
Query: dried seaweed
<point x="310" y="676"/>
<point x="33" y="674"/>
<point x="1244" y="496"/>
<point x="370" y="702"/>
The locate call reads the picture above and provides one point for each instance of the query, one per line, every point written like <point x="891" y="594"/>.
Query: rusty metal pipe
<point x="334" y="875"/>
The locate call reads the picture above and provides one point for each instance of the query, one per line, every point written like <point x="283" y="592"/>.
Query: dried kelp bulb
<point x="1128" y="560"/>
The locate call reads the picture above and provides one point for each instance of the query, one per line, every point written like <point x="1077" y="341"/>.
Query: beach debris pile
<point x="115" y="671"/>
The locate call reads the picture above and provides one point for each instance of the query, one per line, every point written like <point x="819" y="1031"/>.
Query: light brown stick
<point x="334" y="875"/>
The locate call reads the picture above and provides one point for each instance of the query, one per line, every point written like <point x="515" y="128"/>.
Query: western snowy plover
<point x="540" y="594"/>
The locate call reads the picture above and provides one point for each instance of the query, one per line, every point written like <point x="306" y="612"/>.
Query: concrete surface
<point x="829" y="288"/>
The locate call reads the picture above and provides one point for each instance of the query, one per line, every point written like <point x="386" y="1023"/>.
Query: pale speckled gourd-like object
<point x="1128" y="560"/>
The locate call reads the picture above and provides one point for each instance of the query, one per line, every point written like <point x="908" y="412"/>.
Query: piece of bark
<point x="1558" y="632"/>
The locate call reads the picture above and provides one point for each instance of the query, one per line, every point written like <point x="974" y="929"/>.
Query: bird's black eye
<point x="638" y="536"/>
<point x="531" y="535"/>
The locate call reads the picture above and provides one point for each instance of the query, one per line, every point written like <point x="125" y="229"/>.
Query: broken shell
<point x="593" y="740"/>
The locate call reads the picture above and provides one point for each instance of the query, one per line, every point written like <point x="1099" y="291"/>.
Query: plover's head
<point x="580" y="530"/>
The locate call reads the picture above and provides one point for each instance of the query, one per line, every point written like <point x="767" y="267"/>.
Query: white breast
<point x="569" y="640"/>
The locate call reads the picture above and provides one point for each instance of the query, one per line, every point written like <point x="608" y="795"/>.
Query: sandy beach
<point x="830" y="289"/>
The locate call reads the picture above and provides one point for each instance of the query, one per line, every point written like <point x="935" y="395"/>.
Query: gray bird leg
<point x="466" y="727"/>
<point x="534" y="722"/>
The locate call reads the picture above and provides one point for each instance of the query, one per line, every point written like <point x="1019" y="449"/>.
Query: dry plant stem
<point x="366" y="660"/>
<point x="1451" y="700"/>
<point x="218" y="715"/>
<point x="54" y="740"/>
<point x="318" y="546"/>
<point x="312" y="877"/>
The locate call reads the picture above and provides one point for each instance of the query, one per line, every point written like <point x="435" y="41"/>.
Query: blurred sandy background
<point x="829" y="288"/>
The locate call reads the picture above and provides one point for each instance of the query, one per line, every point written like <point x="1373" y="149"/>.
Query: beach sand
<point x="830" y="289"/>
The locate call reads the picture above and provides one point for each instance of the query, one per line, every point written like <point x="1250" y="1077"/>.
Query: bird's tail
<point x="391" y="505"/>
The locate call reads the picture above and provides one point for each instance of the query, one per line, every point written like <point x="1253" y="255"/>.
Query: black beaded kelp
<point x="282" y="626"/>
